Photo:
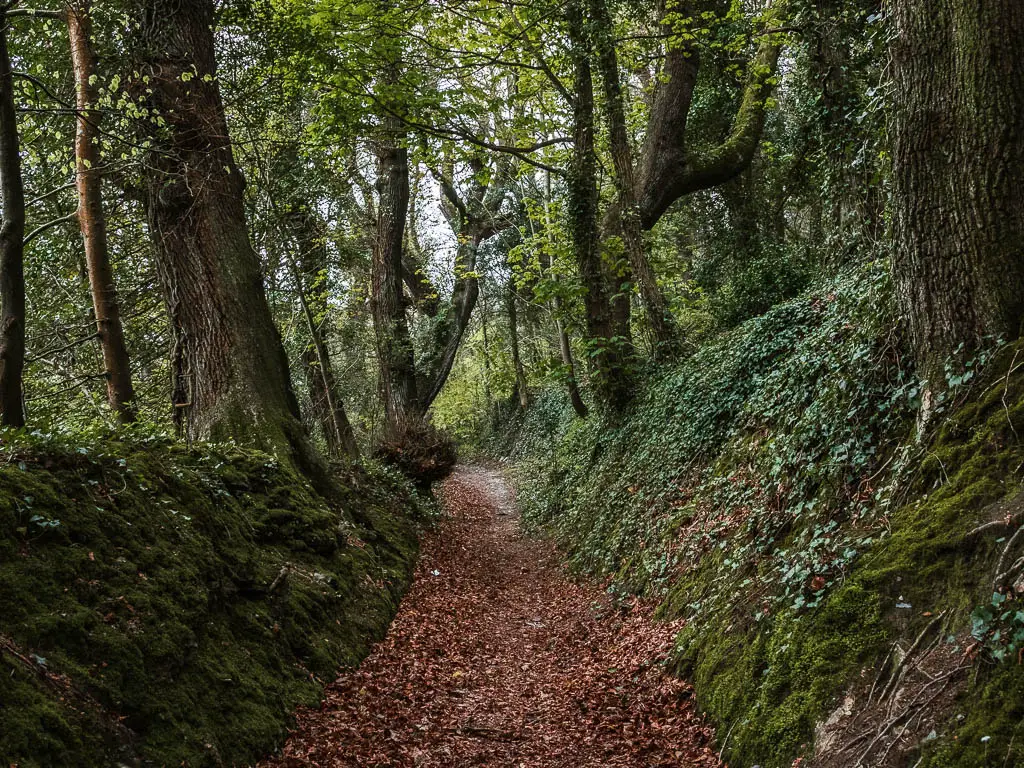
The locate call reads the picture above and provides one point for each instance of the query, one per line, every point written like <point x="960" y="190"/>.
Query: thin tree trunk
<point x="91" y="218"/>
<point x="394" y="346"/>
<point x="448" y="331"/>
<point x="473" y="221"/>
<point x="311" y="283"/>
<point x="232" y="373"/>
<point x="958" y="166"/>
<point x="513" y="331"/>
<point x="561" y="334"/>
<point x="12" y="249"/>
<point x="660" y="319"/>
<point x="565" y="349"/>
<point x="424" y="294"/>
<point x="608" y="357"/>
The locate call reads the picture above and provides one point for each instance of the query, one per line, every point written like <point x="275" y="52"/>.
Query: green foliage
<point x="177" y="605"/>
<point x="770" y="490"/>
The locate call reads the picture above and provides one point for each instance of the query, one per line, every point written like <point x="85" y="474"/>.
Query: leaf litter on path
<point x="496" y="658"/>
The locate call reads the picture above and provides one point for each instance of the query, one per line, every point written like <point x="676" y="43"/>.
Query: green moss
<point x="142" y="575"/>
<point x="988" y="730"/>
<point x="779" y="457"/>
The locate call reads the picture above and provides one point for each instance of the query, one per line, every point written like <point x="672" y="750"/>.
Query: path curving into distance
<point x="498" y="659"/>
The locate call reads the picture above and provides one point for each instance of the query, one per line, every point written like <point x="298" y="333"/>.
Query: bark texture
<point x="92" y="220"/>
<point x="608" y="355"/>
<point x="231" y="373"/>
<point x="958" y="162"/>
<point x="394" y="347"/>
<point x="12" y="249"/>
<point x="629" y="223"/>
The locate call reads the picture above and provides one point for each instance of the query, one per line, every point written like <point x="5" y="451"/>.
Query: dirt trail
<point x="497" y="659"/>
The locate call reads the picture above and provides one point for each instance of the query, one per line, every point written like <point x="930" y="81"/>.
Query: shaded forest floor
<point x="497" y="658"/>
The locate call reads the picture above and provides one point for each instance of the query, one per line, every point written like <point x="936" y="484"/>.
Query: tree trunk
<point x="522" y="391"/>
<point x="565" y="349"/>
<point x="91" y="218"/>
<point x="394" y="346"/>
<point x="629" y="225"/>
<point x="608" y="356"/>
<point x="12" y="248"/>
<point x="310" y="274"/>
<point x="421" y="289"/>
<point x="232" y="377"/>
<point x="447" y="333"/>
<point x="958" y="167"/>
<point x="561" y="334"/>
<point x="668" y="167"/>
<point x="473" y="219"/>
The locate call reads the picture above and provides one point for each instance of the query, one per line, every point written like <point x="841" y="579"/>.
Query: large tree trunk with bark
<point x="629" y="224"/>
<point x="608" y="352"/>
<point x="958" y="163"/>
<point x="12" y="248"/>
<point x="231" y="373"/>
<point x="91" y="218"/>
<point x="394" y="346"/>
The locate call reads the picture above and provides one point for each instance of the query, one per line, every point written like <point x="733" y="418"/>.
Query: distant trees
<point x="958" y="172"/>
<point x="614" y="172"/>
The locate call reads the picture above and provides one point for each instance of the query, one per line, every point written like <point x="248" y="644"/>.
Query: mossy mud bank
<point x="849" y="590"/>
<point x="161" y="606"/>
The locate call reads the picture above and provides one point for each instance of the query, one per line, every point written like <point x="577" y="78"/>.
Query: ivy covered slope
<point x="165" y="606"/>
<point x="770" y="490"/>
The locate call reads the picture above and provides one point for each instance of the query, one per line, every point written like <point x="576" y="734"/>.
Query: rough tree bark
<point x="12" y="249"/>
<point x="629" y="223"/>
<point x="958" y="172"/>
<point x="91" y="218"/>
<point x="394" y="346"/>
<point x="608" y="356"/>
<point x="231" y="373"/>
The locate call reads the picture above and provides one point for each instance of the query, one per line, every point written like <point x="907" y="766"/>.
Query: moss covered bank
<point x="841" y="593"/>
<point x="165" y="606"/>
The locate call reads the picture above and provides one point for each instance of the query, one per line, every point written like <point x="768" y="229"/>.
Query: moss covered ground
<point x="167" y="606"/>
<point x="773" y="491"/>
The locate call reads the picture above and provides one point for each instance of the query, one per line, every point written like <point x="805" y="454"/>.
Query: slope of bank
<point x="166" y="606"/>
<point x="851" y="596"/>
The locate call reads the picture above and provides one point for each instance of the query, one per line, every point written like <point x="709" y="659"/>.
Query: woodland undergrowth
<point x="773" y="491"/>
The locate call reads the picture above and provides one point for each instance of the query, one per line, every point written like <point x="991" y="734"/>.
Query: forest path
<point x="497" y="659"/>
